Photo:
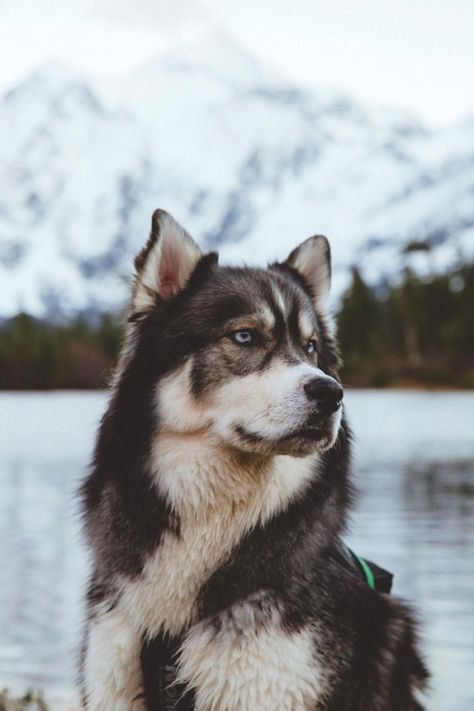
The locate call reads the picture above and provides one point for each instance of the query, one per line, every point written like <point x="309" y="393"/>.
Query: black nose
<point x="326" y="392"/>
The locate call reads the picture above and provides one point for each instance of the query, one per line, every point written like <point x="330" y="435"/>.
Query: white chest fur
<point x="219" y="496"/>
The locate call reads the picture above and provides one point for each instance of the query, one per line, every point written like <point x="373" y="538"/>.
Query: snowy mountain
<point x="250" y="164"/>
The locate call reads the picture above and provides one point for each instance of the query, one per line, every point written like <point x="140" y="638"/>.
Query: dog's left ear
<point x="165" y="264"/>
<point x="312" y="260"/>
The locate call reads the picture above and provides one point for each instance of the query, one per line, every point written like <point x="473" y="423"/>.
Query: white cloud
<point x="97" y="36"/>
<point x="413" y="53"/>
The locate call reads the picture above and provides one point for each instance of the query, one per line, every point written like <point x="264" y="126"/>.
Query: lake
<point x="414" y="469"/>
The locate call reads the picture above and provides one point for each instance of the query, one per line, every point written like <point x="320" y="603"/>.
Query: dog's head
<point x="242" y="354"/>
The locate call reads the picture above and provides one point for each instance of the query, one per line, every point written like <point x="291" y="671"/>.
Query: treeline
<point x="417" y="332"/>
<point x="39" y="355"/>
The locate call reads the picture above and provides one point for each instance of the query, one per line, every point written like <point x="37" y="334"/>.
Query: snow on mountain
<point x="249" y="163"/>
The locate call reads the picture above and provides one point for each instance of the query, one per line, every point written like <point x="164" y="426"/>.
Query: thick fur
<point x="218" y="494"/>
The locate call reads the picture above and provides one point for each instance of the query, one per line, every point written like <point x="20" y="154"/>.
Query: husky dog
<point x="218" y="495"/>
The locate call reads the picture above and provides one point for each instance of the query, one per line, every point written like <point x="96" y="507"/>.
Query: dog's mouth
<point x="317" y="432"/>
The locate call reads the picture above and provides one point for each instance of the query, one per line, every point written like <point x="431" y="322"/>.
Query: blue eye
<point x="243" y="338"/>
<point x="311" y="346"/>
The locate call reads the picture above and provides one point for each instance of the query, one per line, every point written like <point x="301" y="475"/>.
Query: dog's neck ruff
<point x="201" y="477"/>
<point x="218" y="497"/>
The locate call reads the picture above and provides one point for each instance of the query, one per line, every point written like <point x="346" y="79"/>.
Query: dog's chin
<point x="309" y="440"/>
<point x="300" y="442"/>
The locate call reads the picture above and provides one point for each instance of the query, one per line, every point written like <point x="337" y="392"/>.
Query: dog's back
<point x="218" y="495"/>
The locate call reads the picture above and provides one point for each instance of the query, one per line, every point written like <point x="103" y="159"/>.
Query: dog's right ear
<point x="165" y="264"/>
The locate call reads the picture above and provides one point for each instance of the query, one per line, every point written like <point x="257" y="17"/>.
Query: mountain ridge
<point x="248" y="162"/>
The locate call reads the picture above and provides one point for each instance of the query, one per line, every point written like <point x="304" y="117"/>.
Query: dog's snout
<point x="326" y="392"/>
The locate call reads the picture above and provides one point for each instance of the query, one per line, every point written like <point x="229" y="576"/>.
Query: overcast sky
<point x="413" y="54"/>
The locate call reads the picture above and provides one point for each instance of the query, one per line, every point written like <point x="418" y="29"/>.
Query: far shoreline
<point x="399" y="386"/>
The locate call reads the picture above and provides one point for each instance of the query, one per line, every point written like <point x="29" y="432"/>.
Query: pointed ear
<point x="166" y="263"/>
<point x="312" y="260"/>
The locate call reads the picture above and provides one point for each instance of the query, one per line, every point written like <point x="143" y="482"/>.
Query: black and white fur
<point x="218" y="495"/>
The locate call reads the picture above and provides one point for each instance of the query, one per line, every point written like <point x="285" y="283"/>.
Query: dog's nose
<point x="326" y="392"/>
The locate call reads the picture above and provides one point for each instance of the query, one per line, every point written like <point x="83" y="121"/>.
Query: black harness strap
<point x="376" y="577"/>
<point x="162" y="693"/>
